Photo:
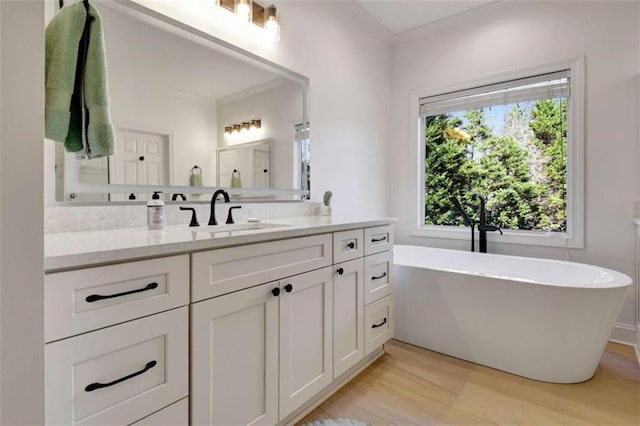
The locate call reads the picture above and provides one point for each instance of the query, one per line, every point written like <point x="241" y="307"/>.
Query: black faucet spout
<point x="212" y="215"/>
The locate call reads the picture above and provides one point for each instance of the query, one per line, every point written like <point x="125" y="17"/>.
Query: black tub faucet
<point x="212" y="215"/>
<point x="483" y="228"/>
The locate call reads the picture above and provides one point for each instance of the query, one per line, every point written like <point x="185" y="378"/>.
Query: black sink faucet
<point x="483" y="228"/>
<point x="212" y="215"/>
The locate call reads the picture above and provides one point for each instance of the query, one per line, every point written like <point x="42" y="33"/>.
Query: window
<point x="516" y="143"/>
<point x="301" y="137"/>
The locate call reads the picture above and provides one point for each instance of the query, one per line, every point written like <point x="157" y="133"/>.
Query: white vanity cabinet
<point x="117" y="342"/>
<point x="362" y="288"/>
<point x="237" y="334"/>
<point x="260" y="353"/>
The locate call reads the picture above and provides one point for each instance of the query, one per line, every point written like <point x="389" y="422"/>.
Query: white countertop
<point x="68" y="250"/>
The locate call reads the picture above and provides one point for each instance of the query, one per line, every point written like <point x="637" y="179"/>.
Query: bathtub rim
<point x="619" y="279"/>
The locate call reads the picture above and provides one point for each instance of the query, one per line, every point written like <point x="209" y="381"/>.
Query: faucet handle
<point x="194" y="217"/>
<point x="230" y="214"/>
<point x="489" y="228"/>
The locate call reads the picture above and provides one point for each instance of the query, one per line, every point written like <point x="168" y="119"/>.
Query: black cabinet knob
<point x="276" y="291"/>
<point x="141" y="158"/>
<point x="351" y="245"/>
<point x="340" y="271"/>
<point x="288" y="288"/>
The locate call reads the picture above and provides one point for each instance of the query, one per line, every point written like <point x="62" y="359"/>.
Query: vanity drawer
<point x="92" y="298"/>
<point x="347" y="245"/>
<point x="378" y="239"/>
<point x="378" y="323"/>
<point x="173" y="415"/>
<point x="119" y="374"/>
<point x="377" y="276"/>
<point x="222" y="271"/>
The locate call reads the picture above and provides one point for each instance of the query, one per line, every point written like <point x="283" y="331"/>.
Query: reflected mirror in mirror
<point x="172" y="97"/>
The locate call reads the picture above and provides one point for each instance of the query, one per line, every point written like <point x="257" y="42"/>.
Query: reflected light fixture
<point x="245" y="126"/>
<point x="236" y="129"/>
<point x="228" y="130"/>
<point x="256" y="124"/>
<point x="243" y="10"/>
<point x="272" y="26"/>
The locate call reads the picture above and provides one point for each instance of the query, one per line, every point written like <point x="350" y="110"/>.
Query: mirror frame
<point x="188" y="32"/>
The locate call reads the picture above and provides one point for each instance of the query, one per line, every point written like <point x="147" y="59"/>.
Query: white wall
<point x="21" y="221"/>
<point x="348" y="63"/>
<point x="279" y="108"/>
<point x="0" y="203"/>
<point x="512" y="35"/>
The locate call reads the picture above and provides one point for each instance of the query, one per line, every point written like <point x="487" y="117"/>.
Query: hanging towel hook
<point x="86" y="4"/>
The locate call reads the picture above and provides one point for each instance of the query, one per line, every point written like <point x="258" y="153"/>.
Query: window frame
<point x="574" y="236"/>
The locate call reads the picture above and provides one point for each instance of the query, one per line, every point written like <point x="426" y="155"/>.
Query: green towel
<point x="196" y="180"/>
<point x="63" y="91"/>
<point x="236" y="179"/>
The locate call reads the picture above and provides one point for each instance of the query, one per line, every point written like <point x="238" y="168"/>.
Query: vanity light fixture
<point x="243" y="10"/>
<point x="245" y="128"/>
<point x="272" y="26"/>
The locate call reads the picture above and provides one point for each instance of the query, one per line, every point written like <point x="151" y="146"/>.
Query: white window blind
<point x="544" y="86"/>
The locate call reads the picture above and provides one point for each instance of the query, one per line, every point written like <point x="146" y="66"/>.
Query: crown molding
<point x="461" y="18"/>
<point x="252" y="91"/>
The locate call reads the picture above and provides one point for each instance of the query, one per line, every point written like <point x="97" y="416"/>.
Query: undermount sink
<point x="236" y="227"/>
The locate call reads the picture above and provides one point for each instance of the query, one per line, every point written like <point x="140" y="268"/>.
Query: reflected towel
<point x="236" y="180"/>
<point x="196" y="180"/>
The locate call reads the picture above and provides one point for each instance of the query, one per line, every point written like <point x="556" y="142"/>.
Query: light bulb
<point x="272" y="26"/>
<point x="243" y="10"/>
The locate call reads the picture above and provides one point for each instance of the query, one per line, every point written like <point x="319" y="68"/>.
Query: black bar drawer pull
<point x="384" y="321"/>
<point x="379" y="277"/>
<point x="377" y="240"/>
<point x="96" y="297"/>
<point x="96" y="385"/>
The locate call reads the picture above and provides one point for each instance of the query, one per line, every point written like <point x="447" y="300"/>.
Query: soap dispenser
<point x="155" y="212"/>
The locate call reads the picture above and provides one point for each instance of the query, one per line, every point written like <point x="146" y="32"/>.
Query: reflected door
<point x="261" y="169"/>
<point x="140" y="159"/>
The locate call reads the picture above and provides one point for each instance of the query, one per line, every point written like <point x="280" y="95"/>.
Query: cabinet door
<point x="305" y="337"/>
<point x="348" y="315"/>
<point x="234" y="358"/>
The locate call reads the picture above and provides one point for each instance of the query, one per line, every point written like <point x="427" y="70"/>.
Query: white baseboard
<point x="625" y="334"/>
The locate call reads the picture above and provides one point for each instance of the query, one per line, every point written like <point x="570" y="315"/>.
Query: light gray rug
<point x="337" y="422"/>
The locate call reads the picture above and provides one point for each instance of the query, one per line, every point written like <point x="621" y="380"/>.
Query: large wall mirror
<point x="188" y="111"/>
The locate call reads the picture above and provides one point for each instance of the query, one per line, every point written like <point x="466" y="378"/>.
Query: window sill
<point x="546" y="239"/>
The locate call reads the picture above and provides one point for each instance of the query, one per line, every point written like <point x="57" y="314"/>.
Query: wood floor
<point x="410" y="385"/>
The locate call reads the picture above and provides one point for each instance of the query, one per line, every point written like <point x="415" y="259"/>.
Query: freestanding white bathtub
<point x="542" y="319"/>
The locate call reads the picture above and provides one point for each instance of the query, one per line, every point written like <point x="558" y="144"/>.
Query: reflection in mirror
<point x="171" y="100"/>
